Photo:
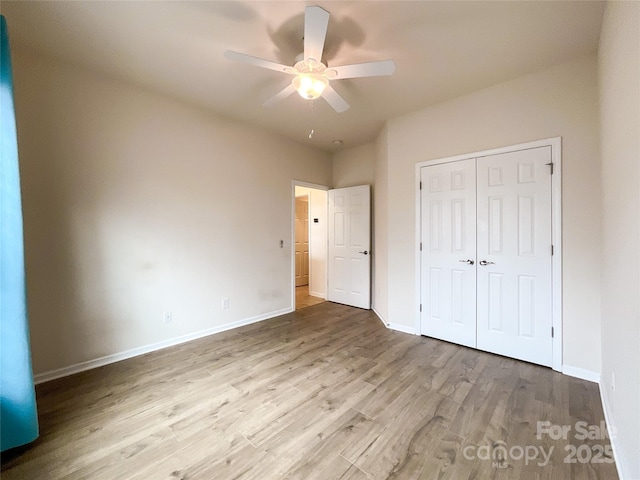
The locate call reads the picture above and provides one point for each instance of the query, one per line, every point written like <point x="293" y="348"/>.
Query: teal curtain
<point x="18" y="415"/>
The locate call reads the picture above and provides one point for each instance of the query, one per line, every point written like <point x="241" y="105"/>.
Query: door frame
<point x="556" y="231"/>
<point x="292" y="239"/>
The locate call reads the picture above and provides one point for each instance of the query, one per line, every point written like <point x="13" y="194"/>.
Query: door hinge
<point x="420" y="185"/>
<point x="420" y="307"/>
<point x="550" y="165"/>
<point x="552" y="332"/>
<point x="552" y="250"/>
<point x="420" y="246"/>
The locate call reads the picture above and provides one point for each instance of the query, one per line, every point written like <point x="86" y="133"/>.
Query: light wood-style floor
<point x="323" y="393"/>
<point x="304" y="299"/>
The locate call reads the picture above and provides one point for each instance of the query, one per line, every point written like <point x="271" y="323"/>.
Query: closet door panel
<point x="514" y="255"/>
<point x="448" y="275"/>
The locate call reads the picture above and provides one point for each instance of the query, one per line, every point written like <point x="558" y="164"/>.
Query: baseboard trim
<point x="134" y="352"/>
<point x="394" y="326"/>
<point x="402" y="328"/>
<point x="596" y="378"/>
<point x="622" y="475"/>
<point x="318" y="294"/>
<point x="380" y="317"/>
<point x="581" y="373"/>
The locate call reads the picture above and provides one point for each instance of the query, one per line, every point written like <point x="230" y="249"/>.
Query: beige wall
<point x="561" y="101"/>
<point x="136" y="204"/>
<point x="318" y="238"/>
<point x="619" y="75"/>
<point x="354" y="166"/>
<point x="381" y="227"/>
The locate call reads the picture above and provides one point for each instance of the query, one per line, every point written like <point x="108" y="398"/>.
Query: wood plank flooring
<point x="304" y="299"/>
<point x="324" y="393"/>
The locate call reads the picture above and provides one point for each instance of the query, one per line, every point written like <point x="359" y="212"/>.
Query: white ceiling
<point x="442" y="50"/>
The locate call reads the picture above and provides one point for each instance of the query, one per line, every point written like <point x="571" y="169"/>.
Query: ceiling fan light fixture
<point x="311" y="77"/>
<point x="310" y="85"/>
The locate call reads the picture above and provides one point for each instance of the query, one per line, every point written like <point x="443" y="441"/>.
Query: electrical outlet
<point x="168" y="317"/>
<point x="225" y="303"/>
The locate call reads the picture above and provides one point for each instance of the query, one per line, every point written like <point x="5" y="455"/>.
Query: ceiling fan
<point x="311" y="76"/>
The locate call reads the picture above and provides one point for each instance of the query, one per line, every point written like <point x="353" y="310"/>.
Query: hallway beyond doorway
<point x="303" y="299"/>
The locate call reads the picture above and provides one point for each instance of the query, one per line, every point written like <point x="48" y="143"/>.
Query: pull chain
<point x="311" y="110"/>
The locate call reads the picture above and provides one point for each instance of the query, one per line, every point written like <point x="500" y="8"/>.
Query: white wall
<point x="619" y="75"/>
<point x="561" y="101"/>
<point x="136" y="204"/>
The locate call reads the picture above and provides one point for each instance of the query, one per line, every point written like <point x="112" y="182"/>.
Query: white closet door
<point x="514" y="240"/>
<point x="448" y="284"/>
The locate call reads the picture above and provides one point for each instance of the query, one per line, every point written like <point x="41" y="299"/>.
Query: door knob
<point x="484" y="262"/>
<point x="470" y="262"/>
<point x="365" y="252"/>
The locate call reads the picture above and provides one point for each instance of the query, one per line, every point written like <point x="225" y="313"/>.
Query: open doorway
<point x="309" y="262"/>
<point x="301" y="241"/>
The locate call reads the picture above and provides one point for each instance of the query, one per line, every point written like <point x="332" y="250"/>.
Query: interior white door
<point x="349" y="252"/>
<point x="448" y="270"/>
<point x="302" y="241"/>
<point x="514" y="255"/>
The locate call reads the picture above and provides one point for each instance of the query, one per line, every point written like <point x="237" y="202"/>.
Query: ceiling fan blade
<point x="336" y="101"/>
<point x="316" y="21"/>
<point x="370" y="69"/>
<point x="278" y="97"/>
<point x="258" y="62"/>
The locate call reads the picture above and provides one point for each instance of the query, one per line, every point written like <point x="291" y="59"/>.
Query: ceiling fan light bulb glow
<point x="310" y="85"/>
